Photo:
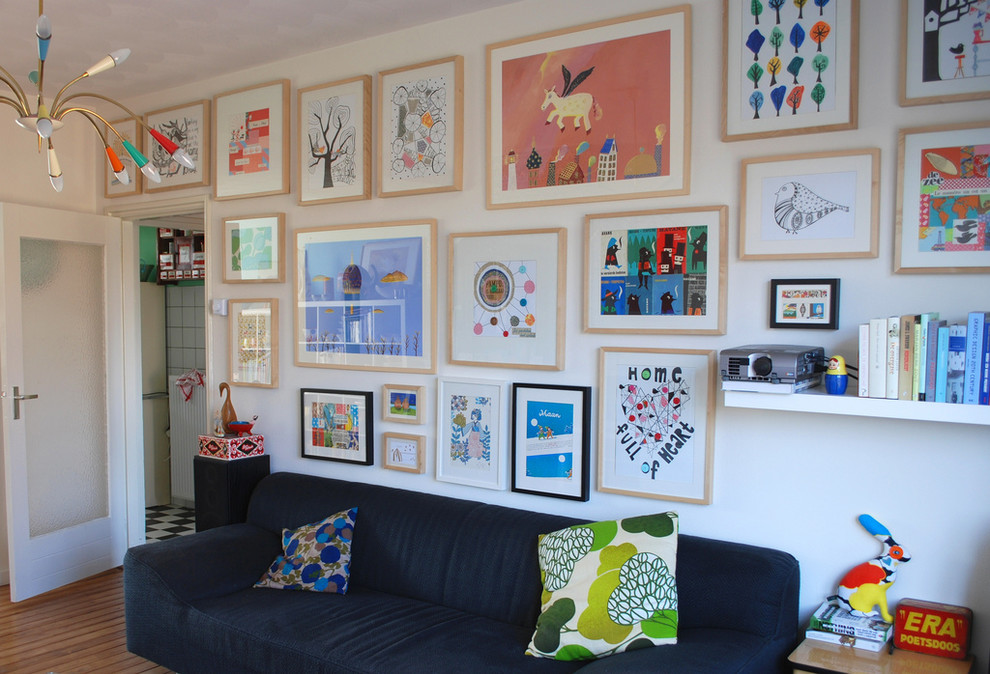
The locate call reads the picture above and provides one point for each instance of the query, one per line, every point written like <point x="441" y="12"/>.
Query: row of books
<point x="838" y="625"/>
<point x="920" y="357"/>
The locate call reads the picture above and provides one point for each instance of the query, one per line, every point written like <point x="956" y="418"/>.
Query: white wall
<point x="790" y="481"/>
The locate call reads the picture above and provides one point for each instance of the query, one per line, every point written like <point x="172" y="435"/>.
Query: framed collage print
<point x="337" y="426"/>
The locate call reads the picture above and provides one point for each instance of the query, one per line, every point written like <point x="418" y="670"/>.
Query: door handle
<point x="17" y="398"/>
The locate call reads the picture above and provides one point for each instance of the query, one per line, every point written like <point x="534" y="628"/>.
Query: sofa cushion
<point x="608" y="587"/>
<point x="314" y="556"/>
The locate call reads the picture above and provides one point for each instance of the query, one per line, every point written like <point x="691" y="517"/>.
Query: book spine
<point x="956" y="366"/>
<point x="849" y="630"/>
<point x="905" y="372"/>
<point x="941" y="363"/>
<point x="878" y="358"/>
<point x="985" y="356"/>
<point x="974" y="350"/>
<point x="893" y="354"/>
<point x="864" y="360"/>
<point x="931" y="354"/>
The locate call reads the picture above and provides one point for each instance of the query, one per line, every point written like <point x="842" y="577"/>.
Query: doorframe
<point x="129" y="215"/>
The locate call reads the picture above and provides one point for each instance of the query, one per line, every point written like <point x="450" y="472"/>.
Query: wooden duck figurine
<point x="227" y="413"/>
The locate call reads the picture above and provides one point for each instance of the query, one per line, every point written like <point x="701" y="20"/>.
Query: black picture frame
<point x="351" y="436"/>
<point x="804" y="304"/>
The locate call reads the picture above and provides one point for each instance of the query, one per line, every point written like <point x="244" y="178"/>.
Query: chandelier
<point x="45" y="120"/>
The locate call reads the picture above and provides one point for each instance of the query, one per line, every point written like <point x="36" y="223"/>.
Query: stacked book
<point x="920" y="357"/>
<point x="839" y="626"/>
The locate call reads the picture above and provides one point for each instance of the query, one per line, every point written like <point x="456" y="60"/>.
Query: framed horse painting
<point x="591" y="113"/>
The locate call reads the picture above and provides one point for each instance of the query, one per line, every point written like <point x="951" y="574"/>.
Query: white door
<point x="61" y="378"/>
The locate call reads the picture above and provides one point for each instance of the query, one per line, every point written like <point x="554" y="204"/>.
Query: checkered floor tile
<point x="168" y="521"/>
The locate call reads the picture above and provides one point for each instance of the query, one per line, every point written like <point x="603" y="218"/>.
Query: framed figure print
<point x="804" y="303"/>
<point x="405" y="404"/>
<point x="337" y="426"/>
<point x="810" y="206"/>
<point x="661" y="271"/>
<point x="335" y="141"/>
<point x="944" y="51"/>
<point x="253" y="327"/>
<point x="504" y="295"/>
<point x="551" y="440"/>
<point x="421" y="118"/>
<point x="597" y="112"/>
<point x="366" y="296"/>
<point x="254" y="249"/>
<point x="469" y="432"/>
<point x="251" y="136"/>
<point x="112" y="186"/>
<point x="188" y="126"/>
<point x="789" y="67"/>
<point x="657" y="423"/>
<point x="401" y="451"/>
<point x="943" y="193"/>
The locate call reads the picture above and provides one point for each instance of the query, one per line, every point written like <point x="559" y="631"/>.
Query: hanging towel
<point x="188" y="381"/>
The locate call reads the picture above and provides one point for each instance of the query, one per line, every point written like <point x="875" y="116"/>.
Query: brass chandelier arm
<point x="58" y="96"/>
<point x="14" y="104"/>
<point x="89" y="114"/>
<point x="9" y="80"/>
<point x="58" y="111"/>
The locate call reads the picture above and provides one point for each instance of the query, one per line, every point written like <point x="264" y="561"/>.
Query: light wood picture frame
<point x="810" y="206"/>
<point x="403" y="403"/>
<point x="421" y="128"/>
<point x="657" y="423"/>
<point x="335" y="141"/>
<point x="814" y="50"/>
<point x="470" y="426"/>
<point x="503" y="295"/>
<point x="405" y="452"/>
<point x="254" y="248"/>
<point x="657" y="272"/>
<point x="128" y="129"/>
<point x="547" y="93"/>
<point x="188" y="126"/>
<point x="251" y="141"/>
<point x="253" y="342"/>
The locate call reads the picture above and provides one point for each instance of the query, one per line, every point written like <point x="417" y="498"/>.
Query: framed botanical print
<point x="337" y="426"/>
<point x="804" y="303"/>
<point x="402" y="451"/>
<point x="469" y="432"/>
<point x="254" y="249"/>
<point x="188" y="126"/>
<point x="253" y="328"/>
<point x="112" y="187"/>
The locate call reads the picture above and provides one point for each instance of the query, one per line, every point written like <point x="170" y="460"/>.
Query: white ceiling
<point x="173" y="42"/>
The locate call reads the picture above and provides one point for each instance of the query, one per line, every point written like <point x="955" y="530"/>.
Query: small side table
<point x="223" y="488"/>
<point x="821" y="657"/>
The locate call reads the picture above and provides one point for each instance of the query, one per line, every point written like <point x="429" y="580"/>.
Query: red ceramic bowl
<point x="241" y="427"/>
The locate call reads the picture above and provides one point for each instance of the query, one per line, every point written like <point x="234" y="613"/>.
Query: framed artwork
<point x="128" y="129"/>
<point x="251" y="136"/>
<point x="596" y="112"/>
<point x="405" y="404"/>
<point x="421" y="117"/>
<point x="789" y="67"/>
<point x="804" y="303"/>
<point x="504" y="295"/>
<point x="657" y="423"/>
<point x="401" y="451"/>
<point x="189" y="127"/>
<point x="253" y="328"/>
<point x="944" y="47"/>
<point x="551" y="440"/>
<point x="335" y="141"/>
<point x="254" y="249"/>
<point x="941" y="223"/>
<point x="810" y="206"/>
<point x="660" y="271"/>
<point x="366" y="296"/>
<point x="337" y="426"/>
<point x="469" y="432"/>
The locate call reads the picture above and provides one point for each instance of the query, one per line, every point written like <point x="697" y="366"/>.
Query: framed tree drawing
<point x="421" y="118"/>
<point x="402" y="451"/>
<point x="335" y="141"/>
<point x="549" y="96"/>
<point x="944" y="51"/>
<point x="254" y="249"/>
<point x="469" y="432"/>
<point x="789" y="67"/>
<point x="656" y="423"/>
<point x="504" y="295"/>
<point x="189" y="127"/>
<point x="251" y="136"/>
<point x="253" y="328"/>
<point x="112" y="187"/>
<point x="366" y="296"/>
<point x="661" y="271"/>
<point x="337" y="426"/>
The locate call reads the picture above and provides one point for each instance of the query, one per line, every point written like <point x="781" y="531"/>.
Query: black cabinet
<point x="223" y="488"/>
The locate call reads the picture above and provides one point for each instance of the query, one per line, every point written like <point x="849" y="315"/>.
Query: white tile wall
<point x="185" y="320"/>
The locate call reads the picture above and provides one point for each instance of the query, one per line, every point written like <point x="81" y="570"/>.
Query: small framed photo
<point x="657" y="272"/>
<point x="335" y="141"/>
<point x="943" y="52"/>
<point x="504" y="298"/>
<point x="469" y="432"/>
<point x="804" y="303"/>
<point x="551" y="440"/>
<point x="405" y="404"/>
<point x="337" y="425"/>
<point x="188" y="126"/>
<point x="789" y="67"/>
<point x="253" y="327"/>
<point x="810" y="206"/>
<point x="421" y="117"/>
<point x="251" y="136"/>
<point x="941" y="226"/>
<point x="254" y="249"/>
<point x="401" y="451"/>
<point x="128" y="130"/>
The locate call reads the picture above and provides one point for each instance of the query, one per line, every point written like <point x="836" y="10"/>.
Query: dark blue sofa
<point x="437" y="585"/>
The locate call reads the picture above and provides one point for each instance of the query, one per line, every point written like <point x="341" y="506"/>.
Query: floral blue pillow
<point x="315" y="557"/>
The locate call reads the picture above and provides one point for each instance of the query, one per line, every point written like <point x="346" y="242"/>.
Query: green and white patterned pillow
<point x="315" y="556"/>
<point x="608" y="587"/>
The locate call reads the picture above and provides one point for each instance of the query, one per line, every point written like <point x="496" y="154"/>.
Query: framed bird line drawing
<point x="810" y="206"/>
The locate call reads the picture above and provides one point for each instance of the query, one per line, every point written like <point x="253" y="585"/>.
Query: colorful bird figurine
<point x="866" y="584"/>
<point x="798" y="207"/>
<point x="836" y="377"/>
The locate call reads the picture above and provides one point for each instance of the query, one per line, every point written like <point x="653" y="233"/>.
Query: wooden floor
<point x="76" y="628"/>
